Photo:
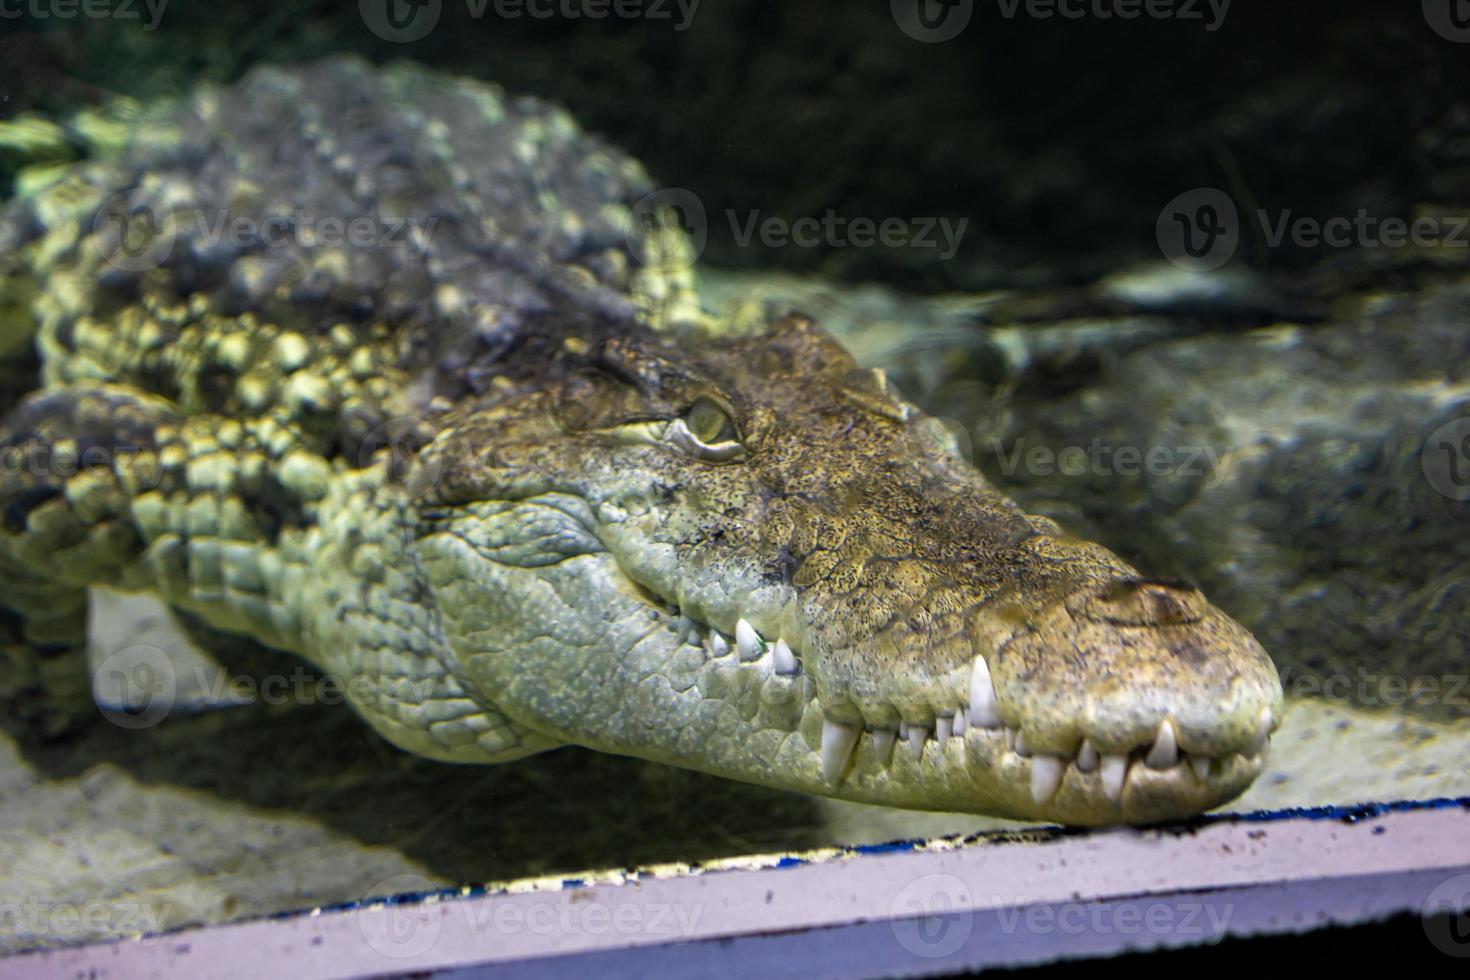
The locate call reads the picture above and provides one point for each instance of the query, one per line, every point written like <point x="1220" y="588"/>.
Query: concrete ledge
<point x="903" y="909"/>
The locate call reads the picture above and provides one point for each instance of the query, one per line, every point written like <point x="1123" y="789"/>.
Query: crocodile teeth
<point x="984" y="710"/>
<point x="1201" y="766"/>
<point x="883" y="739"/>
<point x="1020" y="747"/>
<point x="718" y="645"/>
<point x="1086" y="757"/>
<point x="1263" y="731"/>
<point x="1046" y="777"/>
<point x="687" y="627"/>
<point x="916" y="736"/>
<point x="1114" y="772"/>
<point x="838" y="741"/>
<point x="782" y="659"/>
<point x="961" y="721"/>
<point x="1165" y="751"/>
<point x="943" y="728"/>
<point x="748" y="641"/>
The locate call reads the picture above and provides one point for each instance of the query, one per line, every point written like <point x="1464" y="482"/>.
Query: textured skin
<point x="503" y="478"/>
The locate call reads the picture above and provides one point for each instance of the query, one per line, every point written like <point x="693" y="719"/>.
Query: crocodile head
<point x="754" y="559"/>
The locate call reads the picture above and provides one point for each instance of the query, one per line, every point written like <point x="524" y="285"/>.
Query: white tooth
<point x="748" y="641"/>
<point x="961" y="721"/>
<point x="984" y="711"/>
<point x="837" y="744"/>
<point x="883" y="739"/>
<point x="917" y="735"/>
<point x="718" y="645"/>
<point x="1046" y="777"/>
<point x="687" y="627"/>
<point x="943" y="728"/>
<point x="808" y="687"/>
<point x="1086" y="757"/>
<point x="1114" y="772"/>
<point x="783" y="659"/>
<point x="903" y="730"/>
<point x="1165" y="751"/>
<point x="1011" y="739"/>
<point x="1201" y="766"/>
<point x="1020" y="747"/>
<point x="1263" y="732"/>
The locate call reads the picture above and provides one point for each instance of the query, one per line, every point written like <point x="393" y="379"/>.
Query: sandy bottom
<point x="215" y="815"/>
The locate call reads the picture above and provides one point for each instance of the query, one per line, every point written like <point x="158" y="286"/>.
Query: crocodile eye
<point x="707" y="432"/>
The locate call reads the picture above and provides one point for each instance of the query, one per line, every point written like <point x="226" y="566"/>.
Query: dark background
<point x="1059" y="139"/>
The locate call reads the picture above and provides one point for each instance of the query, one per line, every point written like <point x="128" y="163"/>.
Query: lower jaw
<point x="780" y="737"/>
<point x="977" y="774"/>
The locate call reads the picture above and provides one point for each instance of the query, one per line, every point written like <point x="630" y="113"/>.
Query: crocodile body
<point x="489" y="464"/>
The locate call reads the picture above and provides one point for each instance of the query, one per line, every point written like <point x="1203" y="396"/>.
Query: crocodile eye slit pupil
<point x="709" y="424"/>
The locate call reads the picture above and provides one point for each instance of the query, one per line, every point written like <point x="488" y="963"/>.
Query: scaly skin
<point x="517" y="493"/>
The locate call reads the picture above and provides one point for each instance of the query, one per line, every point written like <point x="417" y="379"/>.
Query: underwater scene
<point x="458" y="444"/>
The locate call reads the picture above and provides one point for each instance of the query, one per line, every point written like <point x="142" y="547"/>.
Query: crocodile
<point x="403" y="375"/>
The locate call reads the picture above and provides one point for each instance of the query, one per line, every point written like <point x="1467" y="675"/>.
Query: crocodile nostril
<point x="1140" y="602"/>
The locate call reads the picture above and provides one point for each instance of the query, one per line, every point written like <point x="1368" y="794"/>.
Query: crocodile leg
<point x="69" y="458"/>
<point x="244" y="529"/>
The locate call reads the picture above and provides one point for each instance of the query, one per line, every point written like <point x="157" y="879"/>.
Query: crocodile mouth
<point x="885" y="763"/>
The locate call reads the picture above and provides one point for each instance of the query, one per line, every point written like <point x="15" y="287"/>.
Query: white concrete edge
<point x="902" y="912"/>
